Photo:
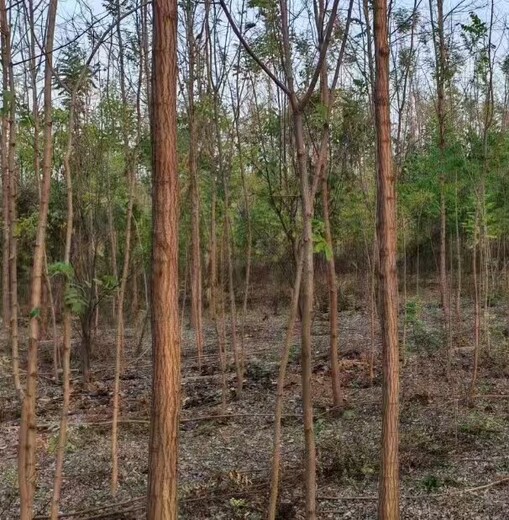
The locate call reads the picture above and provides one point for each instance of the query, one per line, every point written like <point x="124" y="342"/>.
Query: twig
<point x="84" y="512"/>
<point x="423" y="496"/>
<point x="182" y="420"/>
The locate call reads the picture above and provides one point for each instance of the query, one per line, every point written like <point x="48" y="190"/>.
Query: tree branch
<point x="250" y="51"/>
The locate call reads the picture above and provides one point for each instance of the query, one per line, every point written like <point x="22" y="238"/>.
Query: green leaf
<point x="35" y="313"/>
<point x="63" y="268"/>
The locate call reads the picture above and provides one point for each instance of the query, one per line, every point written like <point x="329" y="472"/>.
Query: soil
<point x="448" y="445"/>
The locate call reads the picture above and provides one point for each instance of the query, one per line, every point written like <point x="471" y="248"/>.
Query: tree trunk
<point x="196" y="274"/>
<point x="11" y="181"/>
<point x="388" y="504"/>
<point x="276" y="453"/>
<point x="163" y="453"/>
<point x="67" y="325"/>
<point x="130" y="157"/>
<point x="477" y="312"/>
<point x="6" y="181"/>
<point x="28" y="426"/>
<point x="306" y="300"/>
<point x="119" y="341"/>
<point x="440" y="74"/>
<point x="337" y="397"/>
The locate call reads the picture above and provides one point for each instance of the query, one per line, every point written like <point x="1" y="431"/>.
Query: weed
<point x="431" y="483"/>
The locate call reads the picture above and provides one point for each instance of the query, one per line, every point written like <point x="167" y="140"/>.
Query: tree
<point x="28" y="427"/>
<point x="162" y="478"/>
<point x="440" y="74"/>
<point x="388" y="502"/>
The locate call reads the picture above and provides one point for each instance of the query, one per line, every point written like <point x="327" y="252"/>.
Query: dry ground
<point x="447" y="447"/>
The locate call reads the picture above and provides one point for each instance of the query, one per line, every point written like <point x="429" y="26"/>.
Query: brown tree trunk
<point x="276" y="450"/>
<point x="213" y="253"/>
<point x="10" y="211"/>
<point x="28" y="426"/>
<point x="162" y="477"/>
<point x="337" y="395"/>
<point x="67" y="325"/>
<point x="477" y="310"/>
<point x="130" y="157"/>
<point x="306" y="301"/>
<point x="196" y="274"/>
<point x="6" y="181"/>
<point x="441" y="65"/>
<point x="388" y="504"/>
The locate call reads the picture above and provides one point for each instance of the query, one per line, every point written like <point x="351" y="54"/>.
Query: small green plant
<point x="320" y="427"/>
<point x="237" y="503"/>
<point x="70" y="446"/>
<point x="431" y="483"/>
<point x="294" y="356"/>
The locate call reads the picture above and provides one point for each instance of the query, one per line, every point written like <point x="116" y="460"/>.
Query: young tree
<point x="28" y="426"/>
<point x="162" y="477"/>
<point x="440" y="75"/>
<point x="196" y="271"/>
<point x="388" y="503"/>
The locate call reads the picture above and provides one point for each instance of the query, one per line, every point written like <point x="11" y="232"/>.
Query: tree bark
<point x="306" y="301"/>
<point x="196" y="273"/>
<point x="163" y="453"/>
<point x="388" y="504"/>
<point x="28" y="426"/>
<point x="441" y="65"/>
<point x="67" y="325"/>
<point x="6" y="181"/>
<point x="337" y="395"/>
<point x="276" y="451"/>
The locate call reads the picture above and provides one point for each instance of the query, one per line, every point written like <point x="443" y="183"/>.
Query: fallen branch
<point x="423" y="496"/>
<point x="182" y="420"/>
<point x="85" y="512"/>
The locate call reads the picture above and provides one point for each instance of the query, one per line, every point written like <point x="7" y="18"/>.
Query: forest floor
<point x="447" y="447"/>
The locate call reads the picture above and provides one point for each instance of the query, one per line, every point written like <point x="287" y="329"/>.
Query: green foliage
<point x="61" y="268"/>
<point x="320" y="244"/>
<point x="431" y="483"/>
<point x="35" y="313"/>
<point x="75" y="299"/>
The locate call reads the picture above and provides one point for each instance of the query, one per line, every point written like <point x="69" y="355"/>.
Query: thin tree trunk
<point x="119" y="343"/>
<point x="337" y="396"/>
<point x="458" y="258"/>
<point x="388" y="503"/>
<point x="196" y="274"/>
<point x="28" y="426"/>
<point x="67" y="326"/>
<point x="403" y="353"/>
<point x="163" y="453"/>
<point x="213" y="254"/>
<point x="237" y="354"/>
<point x="249" y="237"/>
<point x="306" y="301"/>
<point x="6" y="181"/>
<point x="477" y="320"/>
<point x="441" y="66"/>
<point x="10" y="210"/>
<point x="56" y="342"/>
<point x="130" y="157"/>
<point x="221" y="324"/>
<point x="276" y="453"/>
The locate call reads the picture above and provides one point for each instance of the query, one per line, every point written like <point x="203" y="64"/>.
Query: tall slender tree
<point x="28" y="426"/>
<point x="162" y="477"/>
<point x="388" y="503"/>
